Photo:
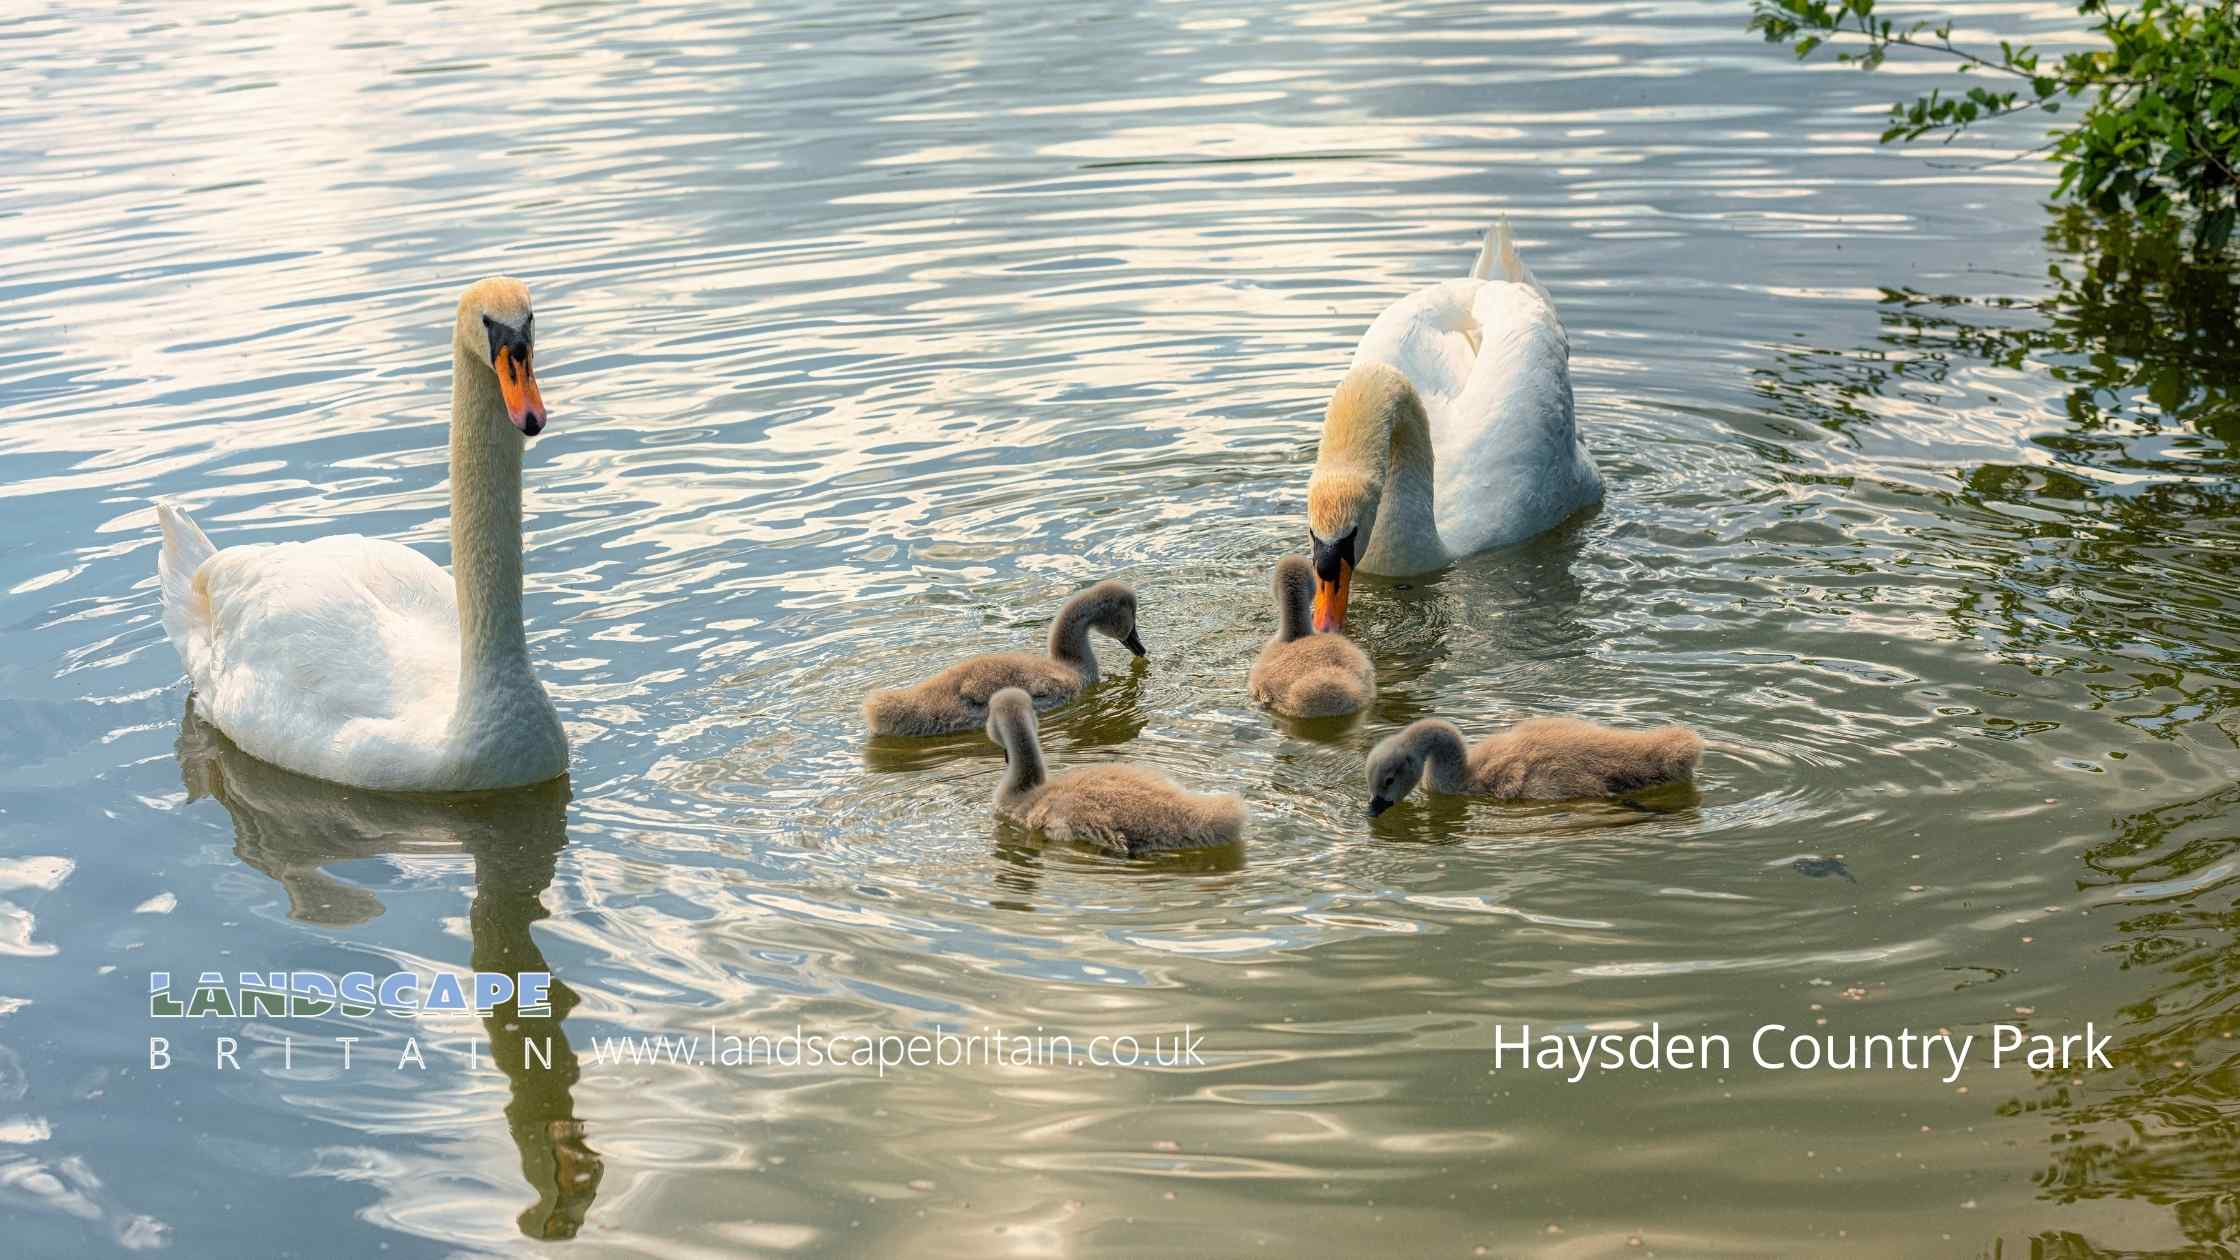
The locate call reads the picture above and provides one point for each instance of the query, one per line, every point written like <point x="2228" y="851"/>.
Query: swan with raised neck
<point x="360" y="661"/>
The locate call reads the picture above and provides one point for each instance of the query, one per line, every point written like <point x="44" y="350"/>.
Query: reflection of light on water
<point x="17" y="924"/>
<point x="869" y="336"/>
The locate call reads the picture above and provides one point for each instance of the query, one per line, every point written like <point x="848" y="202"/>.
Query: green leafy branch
<point x="2160" y="129"/>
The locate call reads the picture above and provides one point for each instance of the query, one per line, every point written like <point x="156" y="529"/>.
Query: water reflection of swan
<point x="289" y="827"/>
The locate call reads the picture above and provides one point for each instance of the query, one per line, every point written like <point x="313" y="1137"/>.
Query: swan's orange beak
<point x="524" y="405"/>
<point x="1330" y="600"/>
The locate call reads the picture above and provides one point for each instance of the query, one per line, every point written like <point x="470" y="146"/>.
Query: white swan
<point x="360" y="661"/>
<point x="1451" y="433"/>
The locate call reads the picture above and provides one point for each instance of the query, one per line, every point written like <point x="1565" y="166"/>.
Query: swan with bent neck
<point x="359" y="660"/>
<point x="1452" y="432"/>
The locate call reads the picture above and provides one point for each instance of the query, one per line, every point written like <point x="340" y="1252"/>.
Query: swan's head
<point x="497" y="329"/>
<point x="1010" y="720"/>
<point x="1349" y="472"/>
<point x="1395" y="767"/>
<point x="1112" y="612"/>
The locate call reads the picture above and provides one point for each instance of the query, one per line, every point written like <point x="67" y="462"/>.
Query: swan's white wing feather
<point x="1431" y="337"/>
<point x="1510" y="461"/>
<point x="330" y="657"/>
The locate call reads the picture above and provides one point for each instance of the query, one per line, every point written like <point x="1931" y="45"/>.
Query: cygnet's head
<point x="1112" y="612"/>
<point x="1010" y="719"/>
<point x="496" y="329"/>
<point x="1395" y="767"/>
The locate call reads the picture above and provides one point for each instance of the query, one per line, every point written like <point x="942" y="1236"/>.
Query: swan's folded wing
<point x="1510" y="462"/>
<point x="1492" y="364"/>
<point x="1519" y="315"/>
<point x="1431" y="337"/>
<point x="307" y="638"/>
<point x="1521" y="382"/>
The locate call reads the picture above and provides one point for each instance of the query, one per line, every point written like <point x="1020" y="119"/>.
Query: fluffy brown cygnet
<point x="1121" y="809"/>
<point x="956" y="699"/>
<point x="1539" y="759"/>
<point x="1304" y="674"/>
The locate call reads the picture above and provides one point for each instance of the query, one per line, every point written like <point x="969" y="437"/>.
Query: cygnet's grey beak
<point x="1378" y="805"/>
<point x="1134" y="644"/>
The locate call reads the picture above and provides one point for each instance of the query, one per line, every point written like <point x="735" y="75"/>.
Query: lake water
<point x="868" y="336"/>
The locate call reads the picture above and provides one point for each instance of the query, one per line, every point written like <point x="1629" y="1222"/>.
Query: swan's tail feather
<point x="185" y="548"/>
<point x="1498" y="259"/>
<point x="1496" y="244"/>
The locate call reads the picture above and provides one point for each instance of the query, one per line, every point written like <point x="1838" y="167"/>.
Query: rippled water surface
<point x="868" y="336"/>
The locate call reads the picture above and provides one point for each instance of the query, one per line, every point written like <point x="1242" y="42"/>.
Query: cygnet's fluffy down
<point x="1304" y="674"/>
<point x="1121" y="809"/>
<point x="956" y="699"/>
<point x="1539" y="759"/>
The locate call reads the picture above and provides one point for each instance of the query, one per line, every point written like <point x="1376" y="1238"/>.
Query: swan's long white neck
<point x="486" y="534"/>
